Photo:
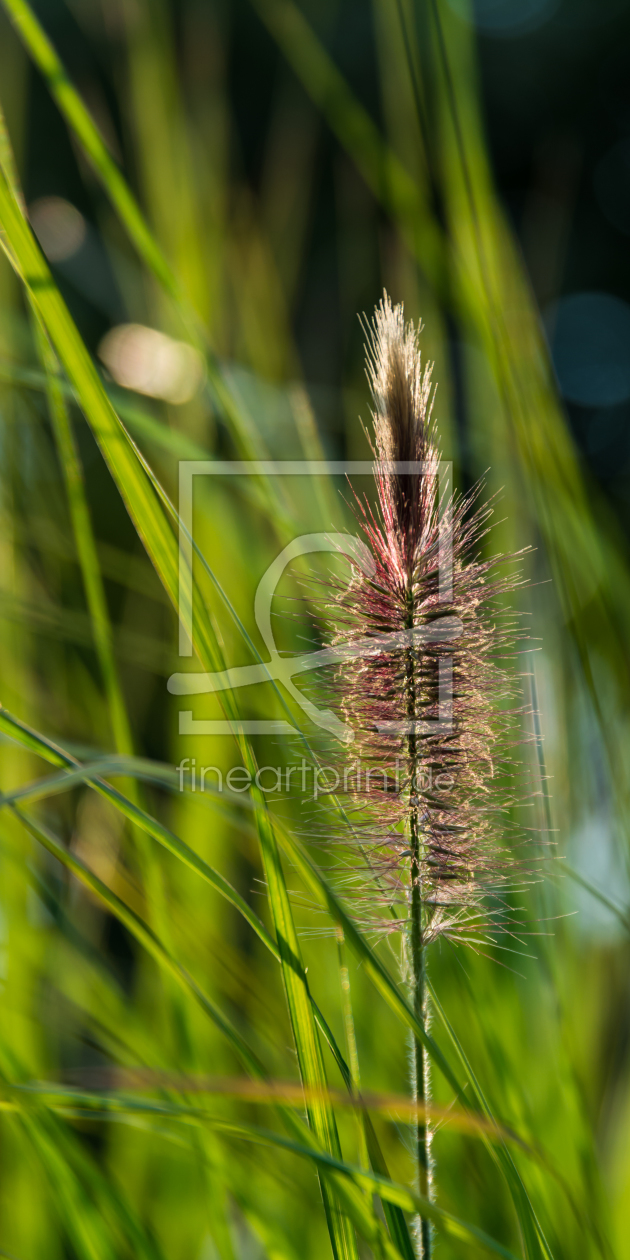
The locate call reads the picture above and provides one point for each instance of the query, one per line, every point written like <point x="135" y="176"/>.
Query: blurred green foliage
<point x="249" y="178"/>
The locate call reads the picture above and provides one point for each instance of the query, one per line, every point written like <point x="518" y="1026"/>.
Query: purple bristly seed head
<point x="448" y="776"/>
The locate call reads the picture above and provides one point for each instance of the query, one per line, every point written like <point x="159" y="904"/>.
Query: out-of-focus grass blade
<point x="85" y="543"/>
<point x="391" y="1192"/>
<point x="369" y="1146"/>
<point x="311" y="1063"/>
<point x="73" y="626"/>
<point x="318" y="885"/>
<point x="128" y="474"/>
<point x="143" y="934"/>
<point x="136" y="815"/>
<point x="72" y="471"/>
<point x="382" y="170"/>
<point x="619" y="912"/>
<point x="352" y="1200"/>
<point x="145" y="427"/>
<point x="86" y="131"/>
<point x="96" y="1215"/>
<point x="80" y="1216"/>
<point x="138" y="419"/>
<point x="125" y="1084"/>
<point x="534" y="1238"/>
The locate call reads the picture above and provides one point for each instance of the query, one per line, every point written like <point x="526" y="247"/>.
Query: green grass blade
<point x="534" y="1239"/>
<point x="135" y="814"/>
<point x="91" y="141"/>
<point x="352" y="1200"/>
<point x="382" y="170"/>
<point x="369" y="1146"/>
<point x="320" y="1113"/>
<point x="70" y="462"/>
<point x="317" y="884"/>
<point x="137" y="493"/>
<point x="144" y="935"/>
<point x="66" y="1099"/>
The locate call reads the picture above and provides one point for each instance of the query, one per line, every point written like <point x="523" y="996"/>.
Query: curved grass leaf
<point x="352" y="1202"/>
<point x="74" y="1102"/>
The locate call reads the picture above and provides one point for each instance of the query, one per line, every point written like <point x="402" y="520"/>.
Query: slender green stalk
<point x="417" y="959"/>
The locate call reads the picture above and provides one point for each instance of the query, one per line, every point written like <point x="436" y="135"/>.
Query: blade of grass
<point x="84" y="128"/>
<point x="78" y="118"/>
<point x="171" y="842"/>
<point x="310" y="1060"/>
<point x="369" y="1146"/>
<point x="391" y="1192"/>
<point x="495" y="1132"/>
<point x="381" y="169"/>
<point x="318" y="885"/>
<point x="352" y="1199"/>
<point x="85" y="543"/>
<point x="534" y="1238"/>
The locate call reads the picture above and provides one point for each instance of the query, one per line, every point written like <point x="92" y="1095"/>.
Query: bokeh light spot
<point x="590" y="346"/>
<point x="59" y="227"/>
<point x="151" y="363"/>
<point x="505" y="18"/>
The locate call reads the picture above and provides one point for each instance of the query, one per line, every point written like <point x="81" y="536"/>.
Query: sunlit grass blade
<point x="86" y="547"/>
<point x="307" y="1045"/>
<point x="534" y="1238"/>
<point x="320" y="888"/>
<point x="143" y="934"/>
<point x="369" y="1146"/>
<point x="97" y="1218"/>
<point x="70" y="463"/>
<point x="84" y="127"/>
<point x="352" y="1200"/>
<point x="91" y="141"/>
<point x="72" y="1100"/>
<point x="134" y="813"/>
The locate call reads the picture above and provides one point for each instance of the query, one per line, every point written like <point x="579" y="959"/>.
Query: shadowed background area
<point x="287" y="162"/>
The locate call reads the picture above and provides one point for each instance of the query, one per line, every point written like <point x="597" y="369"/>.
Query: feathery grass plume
<point x="431" y="740"/>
